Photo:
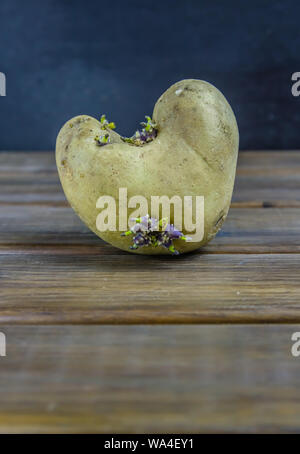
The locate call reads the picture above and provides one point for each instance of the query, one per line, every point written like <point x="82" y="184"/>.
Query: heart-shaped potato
<point x="193" y="154"/>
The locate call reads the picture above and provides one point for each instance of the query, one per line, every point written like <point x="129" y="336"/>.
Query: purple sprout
<point x="149" y="231"/>
<point x="139" y="138"/>
<point x="145" y="135"/>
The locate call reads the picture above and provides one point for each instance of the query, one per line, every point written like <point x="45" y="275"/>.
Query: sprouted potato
<point x="188" y="148"/>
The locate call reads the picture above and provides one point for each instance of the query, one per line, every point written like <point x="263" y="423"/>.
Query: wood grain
<point x="53" y="270"/>
<point x="263" y="179"/>
<point x="39" y="228"/>
<point x="149" y="379"/>
<point x="175" y="379"/>
<point x="123" y="288"/>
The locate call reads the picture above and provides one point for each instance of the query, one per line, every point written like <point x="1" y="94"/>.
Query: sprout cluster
<point x="104" y="138"/>
<point x="145" y="135"/>
<point x="149" y="231"/>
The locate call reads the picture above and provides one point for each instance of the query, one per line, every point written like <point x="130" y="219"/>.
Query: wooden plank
<point x="175" y="379"/>
<point x="29" y="177"/>
<point x="245" y="231"/>
<point x="125" y="288"/>
<point x="268" y="179"/>
<point x="263" y="179"/>
<point x="45" y="247"/>
<point x="37" y="162"/>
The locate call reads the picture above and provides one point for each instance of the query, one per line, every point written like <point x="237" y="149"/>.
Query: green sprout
<point x="102" y="140"/>
<point x="147" y="134"/>
<point x="149" y="125"/>
<point x="106" y="124"/>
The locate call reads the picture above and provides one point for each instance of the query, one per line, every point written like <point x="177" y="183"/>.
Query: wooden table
<point x="99" y="340"/>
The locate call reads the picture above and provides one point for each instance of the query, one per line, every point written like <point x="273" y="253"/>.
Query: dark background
<point x="64" y="58"/>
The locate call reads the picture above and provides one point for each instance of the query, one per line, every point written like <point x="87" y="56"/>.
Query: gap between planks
<point x="76" y="249"/>
<point x="250" y="204"/>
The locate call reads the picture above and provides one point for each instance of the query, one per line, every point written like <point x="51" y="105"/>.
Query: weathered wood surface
<point x="263" y="178"/>
<point x="149" y="379"/>
<point x="34" y="227"/>
<point x="122" y="288"/>
<point x="53" y="270"/>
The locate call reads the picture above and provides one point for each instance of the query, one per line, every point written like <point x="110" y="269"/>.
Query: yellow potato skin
<point x="195" y="153"/>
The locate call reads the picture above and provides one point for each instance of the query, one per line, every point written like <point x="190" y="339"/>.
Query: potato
<point x="194" y="153"/>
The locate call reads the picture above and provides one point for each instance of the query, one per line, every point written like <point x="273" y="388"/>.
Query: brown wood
<point x="153" y="379"/>
<point x="246" y="230"/>
<point x="263" y="178"/>
<point x="124" y="288"/>
<point x="54" y="270"/>
<point x="149" y="379"/>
